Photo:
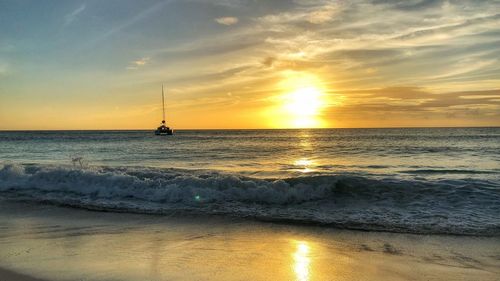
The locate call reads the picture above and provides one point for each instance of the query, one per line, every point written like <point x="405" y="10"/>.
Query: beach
<point x="14" y="276"/>
<point x="56" y="243"/>
<point x="333" y="204"/>
<point x="213" y="140"/>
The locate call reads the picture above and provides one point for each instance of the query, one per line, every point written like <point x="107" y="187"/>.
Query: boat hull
<point x="164" y="132"/>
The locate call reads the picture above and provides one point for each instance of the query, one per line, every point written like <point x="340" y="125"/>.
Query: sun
<point x="304" y="102"/>
<point x="300" y="101"/>
<point x="302" y="106"/>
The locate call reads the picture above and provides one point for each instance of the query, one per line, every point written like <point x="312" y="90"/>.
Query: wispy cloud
<point x="69" y="18"/>
<point x="227" y="20"/>
<point x="407" y="103"/>
<point x="138" y="17"/>
<point x="348" y="45"/>
<point x="322" y="15"/>
<point x="315" y="14"/>
<point x="138" y="63"/>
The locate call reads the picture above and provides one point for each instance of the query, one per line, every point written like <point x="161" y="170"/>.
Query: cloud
<point x="411" y="5"/>
<point x="69" y="18"/>
<point x="347" y="46"/>
<point x="207" y="48"/>
<point x="415" y="99"/>
<point x="322" y="15"/>
<point x="211" y="76"/>
<point x="227" y="20"/>
<point x="138" y="63"/>
<point x="316" y="14"/>
<point x="141" y="62"/>
<point x="143" y="14"/>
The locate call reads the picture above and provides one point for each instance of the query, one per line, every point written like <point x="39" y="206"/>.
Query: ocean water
<point x="418" y="180"/>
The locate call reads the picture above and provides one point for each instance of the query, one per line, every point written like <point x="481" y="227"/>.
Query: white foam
<point x="453" y="206"/>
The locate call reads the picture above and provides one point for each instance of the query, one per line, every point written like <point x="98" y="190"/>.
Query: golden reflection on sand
<point x="302" y="261"/>
<point x="68" y="244"/>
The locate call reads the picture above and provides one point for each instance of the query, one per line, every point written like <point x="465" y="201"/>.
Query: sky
<point x="231" y="64"/>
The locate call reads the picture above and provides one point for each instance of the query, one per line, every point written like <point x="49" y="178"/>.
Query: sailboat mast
<point x="163" y="101"/>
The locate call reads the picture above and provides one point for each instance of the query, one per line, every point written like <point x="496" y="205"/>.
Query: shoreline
<point x="9" y="275"/>
<point x="343" y="201"/>
<point x="57" y="243"/>
<point x="185" y="215"/>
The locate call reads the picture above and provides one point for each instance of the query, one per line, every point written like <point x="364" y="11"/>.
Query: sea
<point x="411" y="180"/>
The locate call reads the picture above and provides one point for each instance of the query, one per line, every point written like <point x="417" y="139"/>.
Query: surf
<point x="463" y="207"/>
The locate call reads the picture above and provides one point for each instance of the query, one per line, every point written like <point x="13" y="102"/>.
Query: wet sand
<point x="8" y="275"/>
<point x="55" y="243"/>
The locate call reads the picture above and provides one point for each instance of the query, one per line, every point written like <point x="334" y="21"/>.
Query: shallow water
<point x="63" y="245"/>
<point x="439" y="180"/>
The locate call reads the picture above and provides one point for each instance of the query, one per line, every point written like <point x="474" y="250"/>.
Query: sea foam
<point x="467" y="206"/>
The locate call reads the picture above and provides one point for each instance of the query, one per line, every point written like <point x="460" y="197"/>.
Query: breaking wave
<point x="465" y="207"/>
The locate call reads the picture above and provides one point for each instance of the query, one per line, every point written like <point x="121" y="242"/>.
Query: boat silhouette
<point x="163" y="130"/>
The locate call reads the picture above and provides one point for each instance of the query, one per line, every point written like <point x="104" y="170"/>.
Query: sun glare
<point x="300" y="102"/>
<point x="304" y="102"/>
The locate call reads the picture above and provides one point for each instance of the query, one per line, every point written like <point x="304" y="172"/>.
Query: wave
<point x="449" y="171"/>
<point x="464" y="207"/>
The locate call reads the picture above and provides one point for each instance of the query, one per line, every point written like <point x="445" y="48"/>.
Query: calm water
<point x="439" y="180"/>
<point x="282" y="153"/>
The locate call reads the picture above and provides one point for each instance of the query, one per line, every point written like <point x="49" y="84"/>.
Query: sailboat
<point x="163" y="130"/>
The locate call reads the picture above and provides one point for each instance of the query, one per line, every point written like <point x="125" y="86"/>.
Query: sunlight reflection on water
<point x="302" y="261"/>
<point x="304" y="165"/>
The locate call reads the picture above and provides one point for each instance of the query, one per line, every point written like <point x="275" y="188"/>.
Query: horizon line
<point x="250" y="129"/>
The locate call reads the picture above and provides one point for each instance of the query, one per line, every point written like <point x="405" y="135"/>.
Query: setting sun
<point x="300" y="102"/>
<point x="304" y="102"/>
<point x="303" y="107"/>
